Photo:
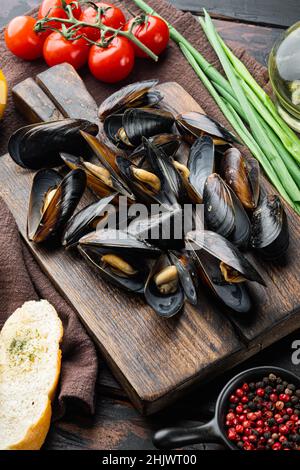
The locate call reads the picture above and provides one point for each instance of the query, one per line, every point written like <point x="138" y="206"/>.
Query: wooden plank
<point x="265" y="12"/>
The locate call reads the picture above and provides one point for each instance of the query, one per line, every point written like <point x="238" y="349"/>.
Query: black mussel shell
<point x="236" y="173"/>
<point x="135" y="283"/>
<point x="172" y="185"/>
<point x="86" y="220"/>
<point x="120" y="242"/>
<point x="143" y="122"/>
<point x="242" y="225"/>
<point x="197" y="124"/>
<point x="169" y="143"/>
<point x="234" y="295"/>
<point x="38" y="145"/>
<point x="218" y="206"/>
<point x="48" y="222"/>
<point x="128" y="96"/>
<point x="223" y="250"/>
<point x="166" y="305"/>
<point x="164" y="230"/>
<point x="109" y="160"/>
<point x="187" y="275"/>
<point x="111" y="127"/>
<point x="201" y="162"/>
<point x="270" y="233"/>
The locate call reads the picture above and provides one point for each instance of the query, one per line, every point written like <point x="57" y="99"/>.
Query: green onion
<point x="238" y="125"/>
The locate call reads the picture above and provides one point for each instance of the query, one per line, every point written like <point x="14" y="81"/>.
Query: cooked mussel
<point x="193" y="124"/>
<point x="243" y="179"/>
<point x="87" y="220"/>
<point x="53" y="200"/>
<point x="99" y="179"/>
<point x="224" y="251"/>
<point x="218" y="206"/>
<point x="38" y="145"/>
<point x="234" y="295"/>
<point x="117" y="257"/>
<point x="201" y="162"/>
<point x="241" y="233"/>
<point x="270" y="234"/>
<point x="108" y="159"/>
<point x="163" y="290"/>
<point x="139" y="94"/>
<point x="187" y="275"/>
<point x="129" y="129"/>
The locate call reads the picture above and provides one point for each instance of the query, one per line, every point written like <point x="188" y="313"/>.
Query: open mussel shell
<point x="126" y="272"/>
<point x="218" y="206"/>
<point x="234" y="295"/>
<point x="163" y="290"/>
<point x="244" y="181"/>
<point x="224" y="251"/>
<point x="187" y="275"/>
<point x="108" y="159"/>
<point x="270" y="233"/>
<point x="136" y="123"/>
<point x="136" y="94"/>
<point x="86" y="220"/>
<point x="53" y="200"/>
<point x="38" y="145"/>
<point x="201" y="162"/>
<point x="169" y="143"/>
<point x="119" y="241"/>
<point x="164" y="230"/>
<point x="99" y="179"/>
<point x="194" y="124"/>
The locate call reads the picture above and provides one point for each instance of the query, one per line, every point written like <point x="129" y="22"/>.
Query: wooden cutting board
<point x="156" y="360"/>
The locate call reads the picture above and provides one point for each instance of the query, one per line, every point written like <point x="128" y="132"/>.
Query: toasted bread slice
<point x="30" y="361"/>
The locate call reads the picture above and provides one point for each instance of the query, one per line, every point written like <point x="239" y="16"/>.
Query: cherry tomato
<point x="112" y="17"/>
<point x="154" y="33"/>
<point x="54" y="8"/>
<point x="114" y="62"/>
<point x="21" y="39"/>
<point x="58" y="49"/>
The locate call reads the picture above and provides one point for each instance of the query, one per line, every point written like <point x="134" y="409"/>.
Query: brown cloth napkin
<point x="21" y="279"/>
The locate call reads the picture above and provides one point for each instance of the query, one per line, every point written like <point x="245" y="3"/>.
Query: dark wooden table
<point x="116" y="424"/>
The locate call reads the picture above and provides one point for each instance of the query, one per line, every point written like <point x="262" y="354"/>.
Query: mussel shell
<point x="125" y="97"/>
<point x="109" y="160"/>
<point x="120" y="242"/>
<point x="38" y="145"/>
<point x="83" y="222"/>
<point x="143" y="122"/>
<point x="165" y="305"/>
<point x="136" y="284"/>
<point x="201" y="162"/>
<point x="186" y="274"/>
<point x="218" y="206"/>
<point x="169" y="143"/>
<point x="172" y="185"/>
<point x="270" y="233"/>
<point x="197" y="124"/>
<point x="234" y="296"/>
<point x="164" y="230"/>
<point x="42" y="225"/>
<point x="223" y="250"/>
<point x="111" y="127"/>
<point x="242" y="225"/>
<point x="236" y="174"/>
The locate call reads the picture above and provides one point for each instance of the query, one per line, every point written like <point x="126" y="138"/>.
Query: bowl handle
<point x="171" y="438"/>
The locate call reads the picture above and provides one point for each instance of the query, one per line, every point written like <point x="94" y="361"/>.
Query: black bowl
<point x="214" y="431"/>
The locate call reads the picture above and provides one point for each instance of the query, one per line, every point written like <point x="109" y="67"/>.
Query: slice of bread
<point x="30" y="361"/>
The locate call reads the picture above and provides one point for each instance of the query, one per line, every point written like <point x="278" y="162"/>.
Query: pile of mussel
<point x="153" y="157"/>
